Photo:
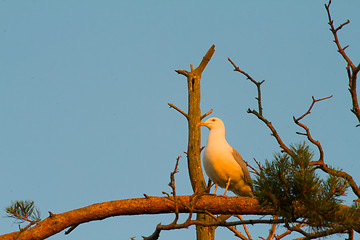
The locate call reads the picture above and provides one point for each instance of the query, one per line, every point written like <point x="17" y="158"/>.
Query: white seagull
<point x="222" y="163"/>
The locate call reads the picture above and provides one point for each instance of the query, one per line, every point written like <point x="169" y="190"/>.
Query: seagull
<point x="222" y="163"/>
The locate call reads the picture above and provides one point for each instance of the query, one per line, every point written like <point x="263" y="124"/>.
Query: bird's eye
<point x="213" y="120"/>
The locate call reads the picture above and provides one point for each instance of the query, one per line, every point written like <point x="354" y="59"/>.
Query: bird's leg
<point x="209" y="185"/>
<point x="216" y="186"/>
<point x="227" y="186"/>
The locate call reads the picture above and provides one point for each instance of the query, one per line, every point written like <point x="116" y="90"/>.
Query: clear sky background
<point x="84" y="87"/>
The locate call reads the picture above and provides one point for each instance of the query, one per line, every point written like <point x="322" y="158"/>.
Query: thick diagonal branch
<point x="137" y="206"/>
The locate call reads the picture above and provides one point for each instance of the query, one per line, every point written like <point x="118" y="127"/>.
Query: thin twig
<point x="308" y="134"/>
<point x="206" y="114"/>
<point x="258" y="84"/>
<point x="258" y="163"/>
<point x="182" y="72"/>
<point x="272" y="229"/>
<point x="223" y="223"/>
<point x="231" y="228"/>
<point x="334" y="32"/>
<point x="178" y="109"/>
<point x="273" y="131"/>
<point x="327" y="232"/>
<point x="220" y="223"/>
<point x="252" y="168"/>
<point x="288" y="232"/>
<point x="245" y="227"/>
<point x="172" y="185"/>
<point x="311" y="106"/>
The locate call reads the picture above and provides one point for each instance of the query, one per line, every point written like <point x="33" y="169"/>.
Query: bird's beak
<point x="201" y="124"/>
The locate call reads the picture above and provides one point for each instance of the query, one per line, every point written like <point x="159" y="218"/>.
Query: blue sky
<point x="85" y="85"/>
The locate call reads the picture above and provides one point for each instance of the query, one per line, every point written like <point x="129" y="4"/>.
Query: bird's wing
<point x="245" y="170"/>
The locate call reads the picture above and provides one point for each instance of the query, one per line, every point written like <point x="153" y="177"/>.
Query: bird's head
<point x="212" y="123"/>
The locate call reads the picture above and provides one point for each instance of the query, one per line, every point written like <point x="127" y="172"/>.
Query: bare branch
<point x="205" y="61"/>
<point x="311" y="106"/>
<point x="178" y="109"/>
<point x="252" y="168"/>
<point x="155" y="235"/>
<point x="231" y="228"/>
<point x="352" y="75"/>
<point x="72" y="228"/>
<point x="245" y="227"/>
<point x="225" y="224"/>
<point x="313" y="235"/>
<point x="272" y="229"/>
<point x="321" y="162"/>
<point x="206" y="114"/>
<point x="258" y="163"/>
<point x="259" y="113"/>
<point x="258" y="84"/>
<point x="189" y="223"/>
<point x="182" y="72"/>
<point x="288" y="232"/>
<point x="172" y="185"/>
<point x="334" y="32"/>
<point x="297" y="121"/>
<point x="274" y="132"/>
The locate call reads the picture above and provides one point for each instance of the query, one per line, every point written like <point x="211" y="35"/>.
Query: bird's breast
<point x="220" y="165"/>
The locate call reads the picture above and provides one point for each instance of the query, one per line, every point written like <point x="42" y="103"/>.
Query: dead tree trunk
<point x="194" y="144"/>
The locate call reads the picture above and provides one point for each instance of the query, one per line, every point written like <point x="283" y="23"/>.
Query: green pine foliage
<point x="291" y="186"/>
<point x="23" y="211"/>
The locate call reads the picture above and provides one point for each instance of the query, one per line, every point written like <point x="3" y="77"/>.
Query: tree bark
<point x="56" y="223"/>
<point x="194" y="142"/>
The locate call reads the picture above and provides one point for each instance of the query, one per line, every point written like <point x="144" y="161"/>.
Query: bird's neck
<point x="216" y="136"/>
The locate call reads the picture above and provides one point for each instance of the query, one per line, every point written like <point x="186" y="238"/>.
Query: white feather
<point x="222" y="162"/>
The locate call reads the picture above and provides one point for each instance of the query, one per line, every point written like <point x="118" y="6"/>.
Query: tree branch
<point x="206" y="114"/>
<point x="222" y="218"/>
<point x="273" y="131"/>
<point x="138" y="206"/>
<point x="313" y="235"/>
<point x="194" y="139"/>
<point x="258" y="84"/>
<point x="178" y="109"/>
<point x="334" y="32"/>
<point x="245" y="227"/>
<point x="205" y="61"/>
<point x="252" y="168"/>
<point x="172" y="185"/>
<point x="189" y="223"/>
<point x="297" y="121"/>
<point x="272" y="229"/>
<point x="259" y="113"/>
<point x="352" y="75"/>
<point x="321" y="162"/>
<point x="288" y="232"/>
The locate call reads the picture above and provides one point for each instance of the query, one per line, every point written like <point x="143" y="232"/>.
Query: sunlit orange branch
<point x="352" y="70"/>
<point x="259" y="113"/>
<point x="321" y="162"/>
